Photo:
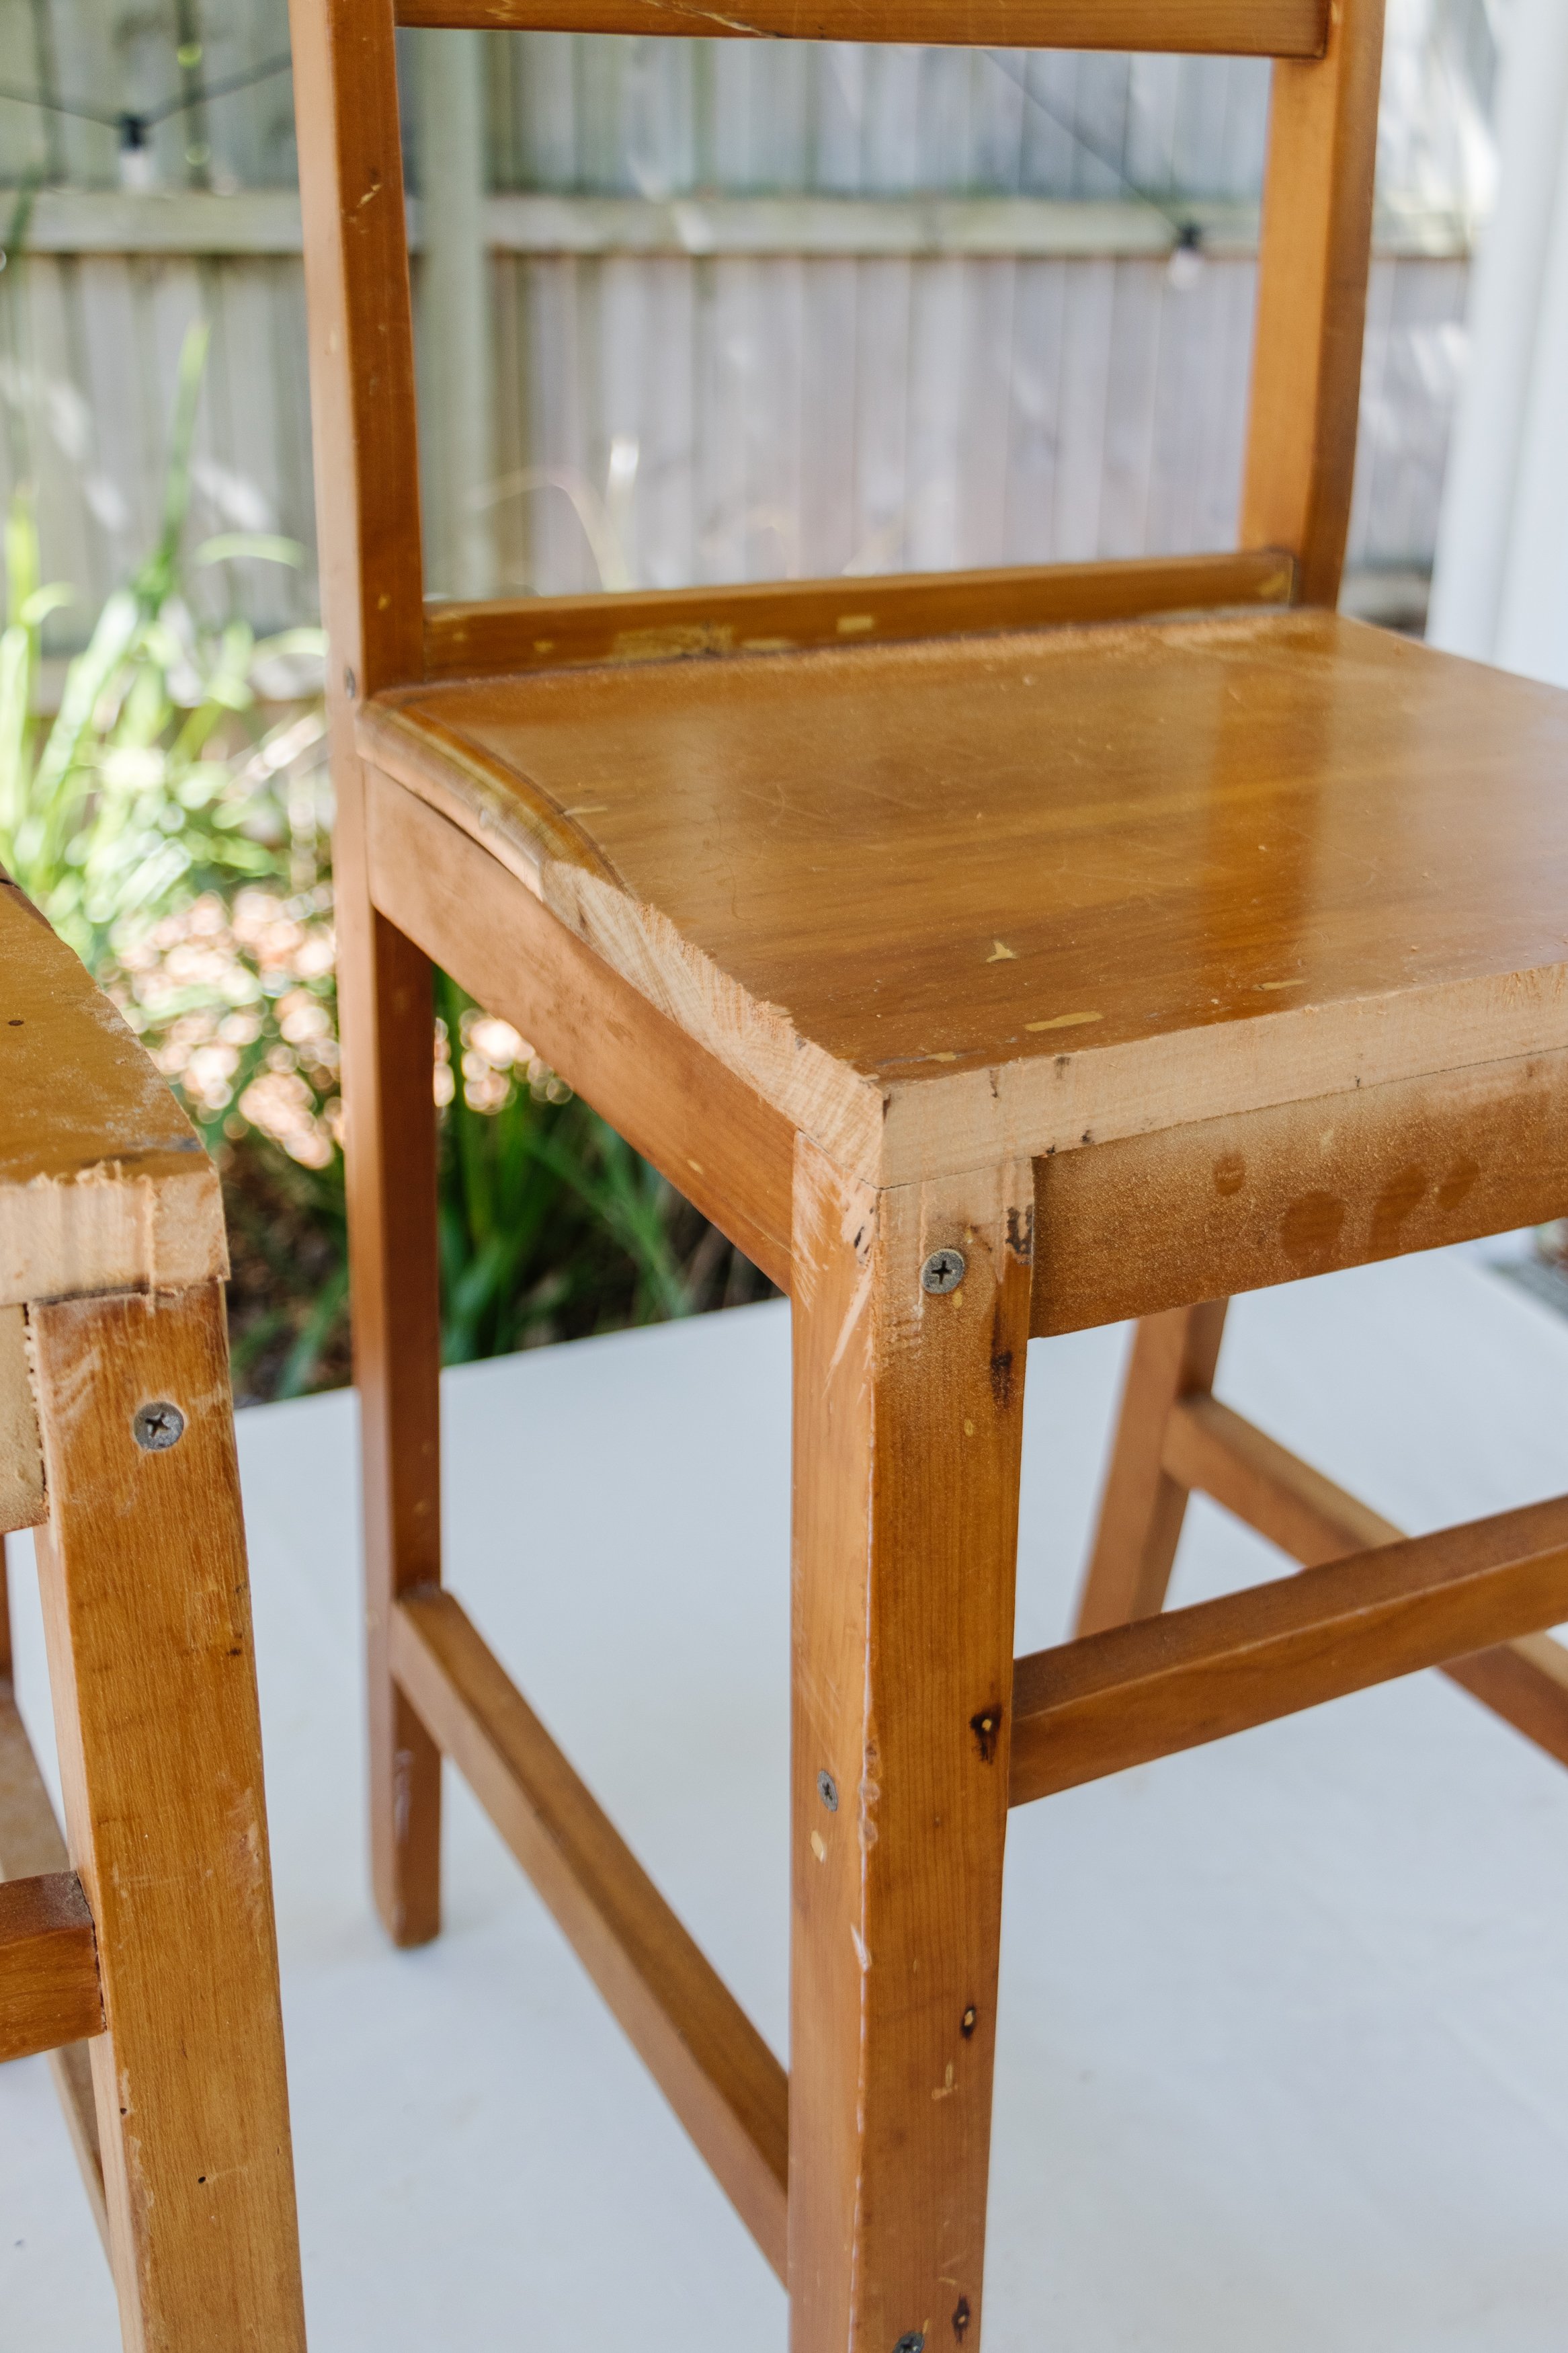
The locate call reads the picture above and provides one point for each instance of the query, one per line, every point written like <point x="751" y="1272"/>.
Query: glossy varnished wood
<point x="712" y="1136"/>
<point x="363" y="418"/>
<point x="847" y="902"/>
<point x="942" y="901"/>
<point x="1173" y="1356"/>
<point x="712" y="2065"/>
<point x="1311" y="301"/>
<point x="1238" y="27"/>
<point x="1121" y="1698"/>
<point x="1207" y="1445"/>
<point x="561" y="632"/>
<point x="49" y="1965"/>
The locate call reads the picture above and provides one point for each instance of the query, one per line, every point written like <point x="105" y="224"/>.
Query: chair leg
<point x="30" y="1842"/>
<point x="908" y="1414"/>
<point x="1140" y="1513"/>
<point x="147" y="1619"/>
<point x="388" y="1021"/>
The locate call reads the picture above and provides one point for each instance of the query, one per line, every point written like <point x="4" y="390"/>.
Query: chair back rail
<point x="1313" y="263"/>
<point x="1256" y="29"/>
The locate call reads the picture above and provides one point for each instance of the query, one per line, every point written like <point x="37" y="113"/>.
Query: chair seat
<point x="1010" y="893"/>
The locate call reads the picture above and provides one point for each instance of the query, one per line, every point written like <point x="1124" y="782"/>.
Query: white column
<point x="1500" y="589"/>
<point x="456" y="358"/>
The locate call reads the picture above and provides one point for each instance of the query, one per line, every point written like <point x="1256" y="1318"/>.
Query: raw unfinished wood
<point x="1268" y="1196"/>
<point x="30" y="1844"/>
<point x="1311" y="301"/>
<point x="142" y="1579"/>
<point x="22" y="1501"/>
<point x="1125" y="879"/>
<point x="907" y="1415"/>
<point x="103" y="1181"/>
<point x="709" y="2060"/>
<point x="536" y="633"/>
<point x="1122" y="1698"/>
<point x="1207" y="1446"/>
<point x="1294" y="28"/>
<point x="1143" y="1505"/>
<point x="49" y="1965"/>
<point x="715" y="1139"/>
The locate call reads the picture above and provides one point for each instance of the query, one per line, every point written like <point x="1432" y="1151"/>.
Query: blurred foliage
<point x="180" y="841"/>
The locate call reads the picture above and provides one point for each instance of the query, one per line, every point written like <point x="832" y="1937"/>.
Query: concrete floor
<point x="1284" y="2045"/>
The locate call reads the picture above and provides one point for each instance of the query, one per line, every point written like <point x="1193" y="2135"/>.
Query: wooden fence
<point x="748" y="309"/>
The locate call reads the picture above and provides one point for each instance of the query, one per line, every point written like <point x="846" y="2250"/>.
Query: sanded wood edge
<point x="31" y="1844"/>
<point x="22" y="1499"/>
<point x="1122" y="1698"/>
<point x="1208" y="1447"/>
<point x="565" y="632"/>
<point x="150" y="1223"/>
<point x="713" y="2067"/>
<point x="50" y="1992"/>
<point x="715" y="1138"/>
<point x="1281" y="28"/>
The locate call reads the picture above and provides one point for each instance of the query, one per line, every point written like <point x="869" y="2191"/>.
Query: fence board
<point x="967" y="397"/>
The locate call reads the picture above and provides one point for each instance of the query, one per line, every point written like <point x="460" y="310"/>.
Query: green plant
<point x="180" y="843"/>
<point x="132" y="801"/>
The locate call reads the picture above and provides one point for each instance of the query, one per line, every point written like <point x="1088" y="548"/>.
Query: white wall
<point x="1500" y="588"/>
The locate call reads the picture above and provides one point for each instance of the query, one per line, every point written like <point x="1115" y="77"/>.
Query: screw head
<point x="350" y="684"/>
<point x="157" y="1426"/>
<point x="827" y="1791"/>
<point x="942" y="1271"/>
<point x="913" y="2340"/>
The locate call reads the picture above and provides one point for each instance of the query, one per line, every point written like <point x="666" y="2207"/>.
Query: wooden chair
<point x="980" y="976"/>
<point x="144" y="1958"/>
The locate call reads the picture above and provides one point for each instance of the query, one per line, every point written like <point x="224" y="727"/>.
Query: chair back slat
<point x="1257" y="28"/>
<point x="1317" y="226"/>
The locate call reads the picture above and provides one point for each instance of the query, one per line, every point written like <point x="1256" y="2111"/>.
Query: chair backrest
<point x="1312" y="298"/>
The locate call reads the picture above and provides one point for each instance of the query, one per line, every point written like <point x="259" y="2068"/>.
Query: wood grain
<point x="709" y="2060"/>
<point x="1311" y="301"/>
<point x="1139" y="1691"/>
<point x="715" y="1139"/>
<point x="362" y="350"/>
<point x="908" y="1411"/>
<point x="366" y="464"/>
<point x="103" y="1181"/>
<point x="31" y="1844"/>
<point x="1143" y="1505"/>
<point x="22" y="1504"/>
<point x="1126" y="878"/>
<point x="388" y="1032"/>
<point x="49" y="1965"/>
<point x="1146" y="1223"/>
<point x="142" y="1578"/>
<point x="1236" y="28"/>
<point x="1208" y="1447"/>
<point x="534" y="633"/>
